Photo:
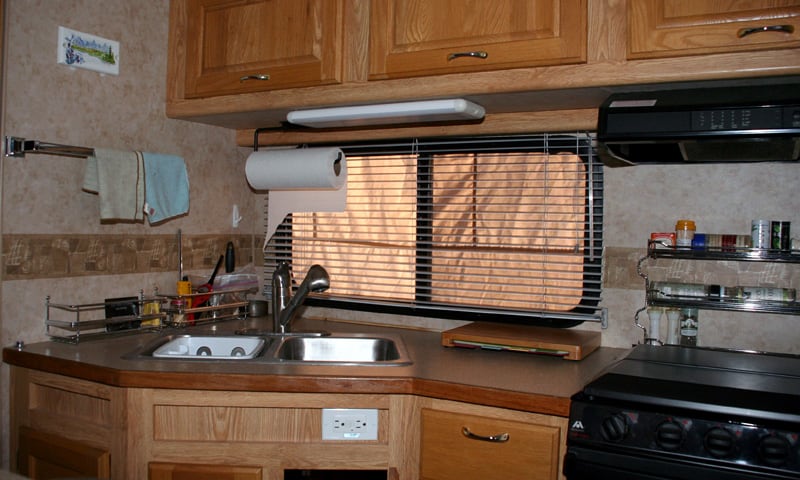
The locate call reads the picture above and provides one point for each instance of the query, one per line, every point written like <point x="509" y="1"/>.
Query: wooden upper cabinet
<point x="410" y="38"/>
<point x="230" y="44"/>
<point x="666" y="28"/>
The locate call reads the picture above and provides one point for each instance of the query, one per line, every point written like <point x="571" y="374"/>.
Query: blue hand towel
<point x="166" y="189"/>
<point x="117" y="177"/>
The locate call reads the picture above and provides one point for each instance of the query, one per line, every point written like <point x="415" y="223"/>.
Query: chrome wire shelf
<point x="656" y="249"/>
<point x="656" y="299"/>
<point x="73" y="323"/>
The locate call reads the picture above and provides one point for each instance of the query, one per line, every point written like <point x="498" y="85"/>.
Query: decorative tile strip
<point x="28" y="257"/>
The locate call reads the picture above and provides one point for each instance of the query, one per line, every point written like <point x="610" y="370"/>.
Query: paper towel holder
<point x="337" y="164"/>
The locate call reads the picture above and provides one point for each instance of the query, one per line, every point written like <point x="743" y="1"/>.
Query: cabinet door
<point x="663" y="28"/>
<point x="230" y="43"/>
<point x="43" y="455"/>
<point x="188" y="471"/>
<point x="529" y="452"/>
<point x="411" y="38"/>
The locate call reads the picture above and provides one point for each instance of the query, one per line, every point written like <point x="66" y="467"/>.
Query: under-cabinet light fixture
<point x="456" y="109"/>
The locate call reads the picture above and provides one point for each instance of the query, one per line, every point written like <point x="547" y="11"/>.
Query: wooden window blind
<point x="487" y="228"/>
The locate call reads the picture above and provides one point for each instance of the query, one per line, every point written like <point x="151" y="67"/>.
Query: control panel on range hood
<point x="702" y="125"/>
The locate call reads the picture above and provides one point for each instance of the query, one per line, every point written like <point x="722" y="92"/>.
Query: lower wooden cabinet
<point x="457" y="446"/>
<point x="44" y="455"/>
<point x="187" y="471"/>
<point x="64" y="427"/>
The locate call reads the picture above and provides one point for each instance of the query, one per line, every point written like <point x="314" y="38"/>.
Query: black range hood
<point x="701" y="125"/>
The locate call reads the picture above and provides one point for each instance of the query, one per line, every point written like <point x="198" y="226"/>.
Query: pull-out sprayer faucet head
<point x="318" y="279"/>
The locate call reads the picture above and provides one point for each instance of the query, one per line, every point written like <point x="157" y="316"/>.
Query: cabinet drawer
<point x="664" y="28"/>
<point x="530" y="451"/>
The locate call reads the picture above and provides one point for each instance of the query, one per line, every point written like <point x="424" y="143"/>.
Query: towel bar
<point x="18" y="147"/>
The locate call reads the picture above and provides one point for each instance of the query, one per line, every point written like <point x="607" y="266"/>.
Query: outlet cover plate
<point x="349" y="424"/>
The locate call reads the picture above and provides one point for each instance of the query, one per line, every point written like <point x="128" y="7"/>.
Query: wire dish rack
<point x="73" y="323"/>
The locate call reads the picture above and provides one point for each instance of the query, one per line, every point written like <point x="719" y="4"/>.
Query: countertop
<point x="520" y="381"/>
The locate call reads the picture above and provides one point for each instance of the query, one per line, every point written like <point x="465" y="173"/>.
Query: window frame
<point x="587" y="309"/>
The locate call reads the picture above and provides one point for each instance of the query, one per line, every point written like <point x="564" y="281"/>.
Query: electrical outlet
<point x="349" y="424"/>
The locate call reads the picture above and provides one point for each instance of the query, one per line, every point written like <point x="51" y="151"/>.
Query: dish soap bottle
<point x="688" y="327"/>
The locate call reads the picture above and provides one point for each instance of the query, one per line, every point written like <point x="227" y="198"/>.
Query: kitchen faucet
<point x="283" y="304"/>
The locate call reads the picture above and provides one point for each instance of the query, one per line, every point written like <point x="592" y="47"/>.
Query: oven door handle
<point x="500" y="438"/>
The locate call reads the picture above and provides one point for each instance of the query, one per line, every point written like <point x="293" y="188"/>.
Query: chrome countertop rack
<point x="73" y="323"/>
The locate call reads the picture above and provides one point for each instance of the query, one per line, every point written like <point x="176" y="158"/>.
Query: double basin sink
<point x="291" y="349"/>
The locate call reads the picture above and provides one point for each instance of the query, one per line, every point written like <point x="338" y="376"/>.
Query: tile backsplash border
<point x="39" y="256"/>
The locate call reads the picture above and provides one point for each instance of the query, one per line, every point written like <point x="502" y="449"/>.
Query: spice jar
<point x="178" y="317"/>
<point x="684" y="233"/>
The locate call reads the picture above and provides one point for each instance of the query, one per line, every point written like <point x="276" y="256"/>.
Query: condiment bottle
<point x="689" y="327"/>
<point x="684" y="233"/>
<point x="654" y="313"/>
<point x="673" y="316"/>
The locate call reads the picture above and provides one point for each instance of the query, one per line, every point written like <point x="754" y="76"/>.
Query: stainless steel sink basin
<point x="346" y="350"/>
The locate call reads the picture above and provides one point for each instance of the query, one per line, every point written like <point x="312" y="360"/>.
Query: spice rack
<point x="656" y="249"/>
<point x="73" y="323"/>
<point x="221" y="305"/>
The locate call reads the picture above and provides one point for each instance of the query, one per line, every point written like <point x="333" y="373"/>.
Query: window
<point x="495" y="228"/>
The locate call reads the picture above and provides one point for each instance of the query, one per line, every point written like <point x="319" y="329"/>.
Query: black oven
<point x="669" y="412"/>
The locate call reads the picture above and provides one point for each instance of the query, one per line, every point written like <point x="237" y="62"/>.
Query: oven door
<point x="594" y="464"/>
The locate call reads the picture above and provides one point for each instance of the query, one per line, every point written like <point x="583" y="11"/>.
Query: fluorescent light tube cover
<point x="388" y="113"/>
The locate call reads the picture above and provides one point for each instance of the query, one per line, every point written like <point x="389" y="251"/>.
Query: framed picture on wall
<point x="83" y="50"/>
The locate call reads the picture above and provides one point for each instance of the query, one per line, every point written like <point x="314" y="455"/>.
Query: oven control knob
<point x="614" y="427"/>
<point x="773" y="450"/>
<point x="719" y="442"/>
<point x="669" y="435"/>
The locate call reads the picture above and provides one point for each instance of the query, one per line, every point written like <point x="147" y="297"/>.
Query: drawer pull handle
<point x="503" y="437"/>
<point x="479" y="54"/>
<point x="254" y="77"/>
<point x="743" y="32"/>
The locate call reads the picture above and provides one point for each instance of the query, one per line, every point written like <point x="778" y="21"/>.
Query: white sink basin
<point x="211" y="348"/>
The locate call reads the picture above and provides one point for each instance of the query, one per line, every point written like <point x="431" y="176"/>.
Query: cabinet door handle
<point x="743" y="32"/>
<point x="479" y="54"/>
<point x="254" y="77"/>
<point x="500" y="438"/>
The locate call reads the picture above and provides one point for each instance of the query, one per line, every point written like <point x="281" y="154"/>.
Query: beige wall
<point x="41" y="194"/>
<point x="721" y="199"/>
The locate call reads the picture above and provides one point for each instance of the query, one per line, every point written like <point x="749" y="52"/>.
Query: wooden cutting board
<point x="566" y="343"/>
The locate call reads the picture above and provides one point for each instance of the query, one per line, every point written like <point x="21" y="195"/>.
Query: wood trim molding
<point x="500" y="123"/>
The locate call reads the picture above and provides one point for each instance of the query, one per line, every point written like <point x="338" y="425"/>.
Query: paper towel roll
<point x="297" y="169"/>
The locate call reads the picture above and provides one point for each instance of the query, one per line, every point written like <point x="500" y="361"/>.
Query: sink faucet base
<point x="284" y="305"/>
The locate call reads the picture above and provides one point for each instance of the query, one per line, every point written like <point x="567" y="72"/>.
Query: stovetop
<point x="723" y="382"/>
<point x="723" y="408"/>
